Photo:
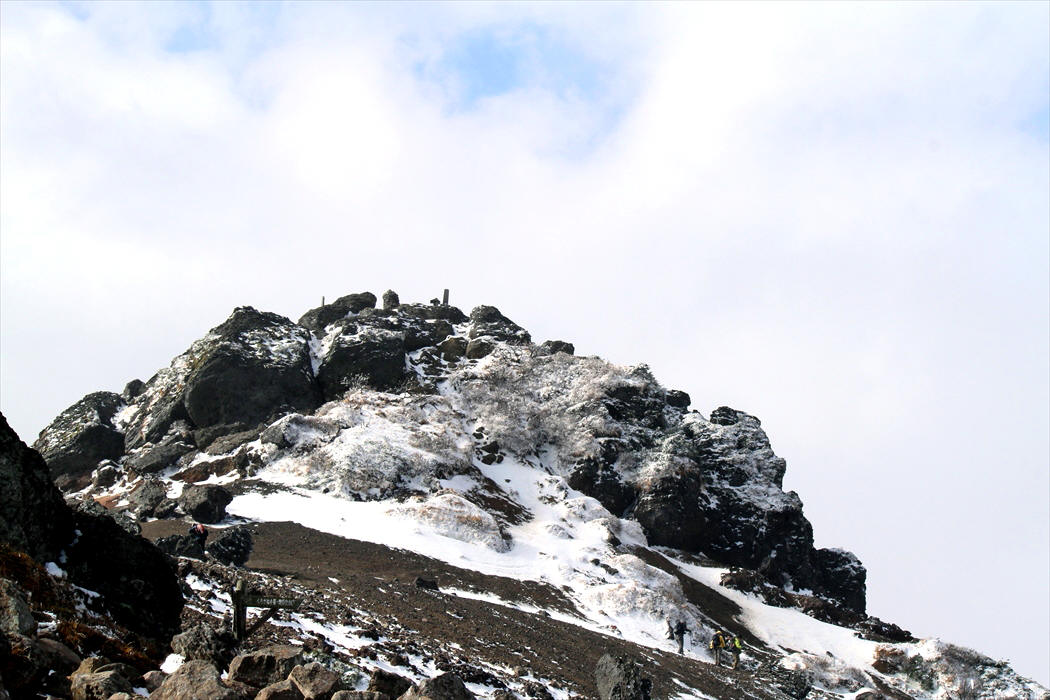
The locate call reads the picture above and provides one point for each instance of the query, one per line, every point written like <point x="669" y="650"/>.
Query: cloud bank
<point x="834" y="217"/>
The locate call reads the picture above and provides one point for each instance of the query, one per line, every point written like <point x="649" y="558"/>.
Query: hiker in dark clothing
<point x="676" y="631"/>
<point x="200" y="532"/>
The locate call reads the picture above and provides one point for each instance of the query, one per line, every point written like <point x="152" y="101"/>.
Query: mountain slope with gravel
<point x="448" y="497"/>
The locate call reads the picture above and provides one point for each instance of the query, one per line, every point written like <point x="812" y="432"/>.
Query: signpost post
<point x="242" y="600"/>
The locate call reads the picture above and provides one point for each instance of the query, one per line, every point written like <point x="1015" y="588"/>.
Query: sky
<point x="832" y="216"/>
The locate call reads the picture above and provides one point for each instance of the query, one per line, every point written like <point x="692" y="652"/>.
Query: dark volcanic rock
<point x="132" y="390"/>
<point x="716" y="487"/>
<point x="317" y="319"/>
<point x="677" y="399"/>
<point x="15" y="616"/>
<point x="33" y="517"/>
<point x="205" y="503"/>
<point x="621" y="679"/>
<point x="90" y="506"/>
<point x="487" y="321"/>
<point x="388" y="683"/>
<point x="181" y="546"/>
<point x="601" y="481"/>
<point x="433" y="312"/>
<point x="135" y="580"/>
<point x="375" y="356"/>
<point x="146" y="496"/>
<point x="840" y="575"/>
<point x="82" y="436"/>
<point x="150" y="460"/>
<point x="479" y="348"/>
<point x="232" y="546"/>
<point x="453" y="349"/>
<point x="390" y="300"/>
<point x="418" y="333"/>
<point x="253" y="366"/>
<point x="550" y="347"/>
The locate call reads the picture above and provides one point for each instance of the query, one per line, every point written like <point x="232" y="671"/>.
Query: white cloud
<point x="827" y="215"/>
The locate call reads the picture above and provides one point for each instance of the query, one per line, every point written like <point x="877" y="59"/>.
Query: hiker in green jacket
<point x="735" y="647"/>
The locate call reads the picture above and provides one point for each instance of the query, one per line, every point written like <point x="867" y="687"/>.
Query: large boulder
<point x="80" y="437"/>
<point x="254" y="366"/>
<point x="487" y="321"/>
<point x="205" y="503"/>
<point x="315" y="682"/>
<point x="135" y="581"/>
<point x="196" y="679"/>
<point x="33" y="516"/>
<point x="620" y="678"/>
<point x="434" y="312"/>
<point x="15" y="616"/>
<point x="266" y="666"/>
<point x="375" y="356"/>
<point x="447" y="686"/>
<point x="317" y="319"/>
<point x="202" y="643"/>
<point x="151" y="459"/>
<point x="146" y="496"/>
<point x="232" y="546"/>
<point x="181" y="546"/>
<point x="388" y="683"/>
<point x="99" y="686"/>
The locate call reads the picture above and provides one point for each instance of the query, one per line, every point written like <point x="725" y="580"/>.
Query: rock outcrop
<point x="80" y="437"/>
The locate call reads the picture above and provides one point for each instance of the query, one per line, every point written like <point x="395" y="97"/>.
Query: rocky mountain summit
<point x="581" y="498"/>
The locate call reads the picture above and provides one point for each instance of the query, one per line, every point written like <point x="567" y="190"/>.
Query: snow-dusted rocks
<point x="82" y="436"/>
<point x="317" y="319"/>
<point x="356" y="354"/>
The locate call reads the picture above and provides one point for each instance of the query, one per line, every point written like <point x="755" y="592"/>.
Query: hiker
<point x="200" y="532"/>
<point x="735" y="647"/>
<point x="718" y="645"/>
<point x="677" y="632"/>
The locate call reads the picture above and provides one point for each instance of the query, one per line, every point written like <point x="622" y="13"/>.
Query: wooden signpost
<point x="242" y="600"/>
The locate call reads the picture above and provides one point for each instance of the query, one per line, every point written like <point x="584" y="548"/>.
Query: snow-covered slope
<point x="455" y="437"/>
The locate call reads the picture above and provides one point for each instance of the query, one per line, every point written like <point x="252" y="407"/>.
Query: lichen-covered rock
<point x="266" y="666"/>
<point x="99" y="686"/>
<point x="314" y="681"/>
<point x="196" y="679"/>
<point x="33" y="516"/>
<point x="201" y="642"/>
<point x="15" y="616"/>
<point x="80" y="437"/>
<point x="620" y="678"/>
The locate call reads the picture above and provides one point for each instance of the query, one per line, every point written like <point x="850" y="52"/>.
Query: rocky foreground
<point x="462" y="513"/>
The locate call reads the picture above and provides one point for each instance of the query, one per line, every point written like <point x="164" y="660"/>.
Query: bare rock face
<point x="82" y="436"/>
<point x="715" y="486"/>
<point x="621" y="679"/>
<point x="373" y="354"/>
<point x="15" y="616"/>
<point x="257" y="364"/>
<point x="33" y="517"/>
